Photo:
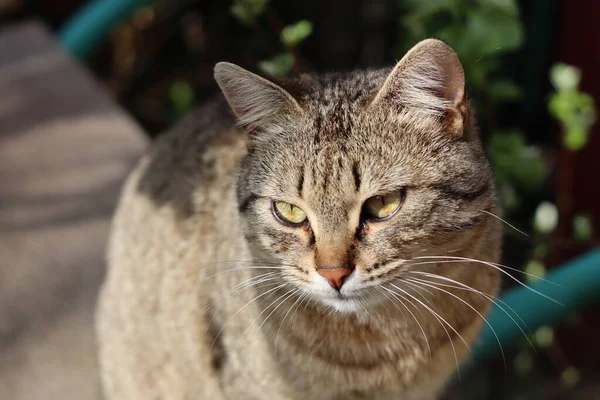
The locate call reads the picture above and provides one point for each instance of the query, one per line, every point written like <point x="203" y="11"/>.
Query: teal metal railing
<point x="575" y="285"/>
<point x="93" y="22"/>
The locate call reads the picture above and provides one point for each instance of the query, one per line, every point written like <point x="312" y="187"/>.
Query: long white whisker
<point x="305" y="301"/>
<point x="291" y="293"/>
<point x="506" y="222"/>
<point x="237" y="262"/>
<point x="453" y="259"/>
<point x="286" y="314"/>
<point x="247" y="283"/>
<point x="241" y="269"/>
<point x="496" y="267"/>
<point x="411" y="313"/>
<point x="375" y="300"/>
<point x="244" y="306"/>
<point x="491" y="298"/>
<point x="425" y="299"/>
<point x="440" y="317"/>
<point x="468" y="305"/>
<point x="266" y="308"/>
<point x="432" y="311"/>
<point x="363" y="307"/>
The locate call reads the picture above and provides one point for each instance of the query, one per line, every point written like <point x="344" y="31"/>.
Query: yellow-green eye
<point x="288" y="213"/>
<point x="384" y="206"/>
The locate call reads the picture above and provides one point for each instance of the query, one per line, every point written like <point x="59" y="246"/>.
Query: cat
<point x="331" y="238"/>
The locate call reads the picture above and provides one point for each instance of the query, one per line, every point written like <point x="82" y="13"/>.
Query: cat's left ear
<point x="429" y="78"/>
<point x="257" y="102"/>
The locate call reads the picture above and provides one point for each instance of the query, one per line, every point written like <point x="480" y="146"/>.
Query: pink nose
<point x="335" y="276"/>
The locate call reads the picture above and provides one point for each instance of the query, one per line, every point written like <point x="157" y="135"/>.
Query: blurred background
<point x="532" y="71"/>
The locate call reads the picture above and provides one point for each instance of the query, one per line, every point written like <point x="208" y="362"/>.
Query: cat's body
<point x="188" y="310"/>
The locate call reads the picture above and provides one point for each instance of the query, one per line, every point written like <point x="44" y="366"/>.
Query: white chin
<point x="347" y="306"/>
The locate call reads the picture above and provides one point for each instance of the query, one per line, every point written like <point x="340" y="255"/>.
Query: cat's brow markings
<point x="356" y="175"/>
<point x="300" y="185"/>
<point x="466" y="194"/>
<point x="245" y="204"/>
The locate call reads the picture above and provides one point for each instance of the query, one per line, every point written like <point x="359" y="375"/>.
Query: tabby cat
<point x="335" y="239"/>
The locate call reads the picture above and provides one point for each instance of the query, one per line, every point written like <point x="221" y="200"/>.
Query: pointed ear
<point x="429" y="78"/>
<point x="257" y="102"/>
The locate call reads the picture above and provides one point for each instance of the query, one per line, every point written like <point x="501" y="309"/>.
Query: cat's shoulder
<point x="203" y="148"/>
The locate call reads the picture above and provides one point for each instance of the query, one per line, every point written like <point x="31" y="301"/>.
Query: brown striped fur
<point x="195" y="220"/>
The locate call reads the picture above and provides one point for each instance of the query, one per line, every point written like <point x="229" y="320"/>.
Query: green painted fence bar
<point x="576" y="284"/>
<point x="93" y="22"/>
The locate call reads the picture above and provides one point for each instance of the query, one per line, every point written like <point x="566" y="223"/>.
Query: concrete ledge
<point x="65" y="149"/>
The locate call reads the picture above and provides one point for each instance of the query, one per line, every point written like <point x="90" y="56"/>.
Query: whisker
<point x="491" y="298"/>
<point x="411" y="313"/>
<point x="244" y="306"/>
<point x="234" y="262"/>
<point x="248" y="282"/>
<point x="425" y="299"/>
<point x="360" y="303"/>
<point x="506" y="222"/>
<point x="472" y="308"/>
<point x="289" y="294"/>
<point x="496" y="267"/>
<point x="375" y="300"/>
<point x="286" y="314"/>
<point x="264" y="310"/>
<point x="440" y="317"/>
<point x="456" y="259"/>
<point x="305" y="301"/>
<point x="241" y="269"/>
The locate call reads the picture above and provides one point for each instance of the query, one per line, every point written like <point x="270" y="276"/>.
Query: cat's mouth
<point x="349" y="298"/>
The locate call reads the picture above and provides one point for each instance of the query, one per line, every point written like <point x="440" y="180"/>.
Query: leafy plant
<point x="247" y="12"/>
<point x="279" y="65"/>
<point x="480" y="32"/>
<point x="573" y="108"/>
<point x="291" y="37"/>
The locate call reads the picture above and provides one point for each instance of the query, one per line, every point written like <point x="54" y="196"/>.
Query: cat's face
<point x="352" y="178"/>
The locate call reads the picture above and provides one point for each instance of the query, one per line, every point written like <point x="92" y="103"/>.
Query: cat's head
<point x="350" y="176"/>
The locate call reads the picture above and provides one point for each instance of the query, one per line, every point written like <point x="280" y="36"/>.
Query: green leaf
<point x="575" y="139"/>
<point x="546" y="217"/>
<point x="182" y="97"/>
<point x="565" y="77"/>
<point x="293" y="35"/>
<point x="280" y="65"/>
<point x="583" y="229"/>
<point x="574" y="109"/>
<point x="247" y="11"/>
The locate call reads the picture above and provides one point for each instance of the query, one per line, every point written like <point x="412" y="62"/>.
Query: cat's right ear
<point x="257" y="102"/>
